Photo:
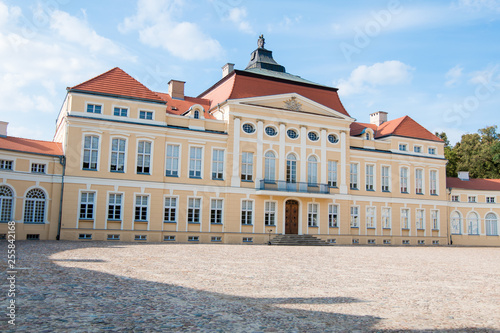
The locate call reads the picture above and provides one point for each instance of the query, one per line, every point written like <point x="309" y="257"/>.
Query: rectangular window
<point x="355" y="241"/>
<point x="193" y="238"/>
<point x="386" y="218"/>
<point x="87" y="205"/>
<point x="140" y="237"/>
<point x="433" y="184"/>
<point x="455" y="198"/>
<point x="144" y="157"/>
<point x="420" y="222"/>
<point x="115" y="207"/>
<point x="141" y="208"/>
<point x="85" y="236"/>
<point x="246" y="166"/>
<point x="247" y="239"/>
<point x="354" y="217"/>
<point x="333" y="216"/>
<point x="94" y="108"/>
<point x="405" y="218"/>
<point x="387" y="241"/>
<point x="472" y="199"/>
<point x="169" y="238"/>
<point x="435" y="242"/>
<point x="194" y="210"/>
<point x="435" y="219"/>
<point x="5" y="165"/>
<point x="246" y="212"/>
<point x="417" y="149"/>
<point x="117" y="155"/>
<point x="121" y="112"/>
<point x="270" y="213"/>
<point x="216" y="211"/>
<point x="332" y="240"/>
<point x="432" y="151"/>
<point x="33" y="237"/>
<point x="218" y="164"/>
<point x="406" y="242"/>
<point x="332" y="173"/>
<point x="354" y="176"/>
<point x="419" y="174"/>
<point x="90" y="152"/>
<point x="404" y="180"/>
<point x="216" y="239"/>
<point x="370" y="217"/>
<point x="113" y="237"/>
<point x="148" y="115"/>
<point x="195" y="160"/>
<point x="312" y="214"/>
<point x="385" y="179"/>
<point x="371" y="241"/>
<point x="421" y="242"/>
<point x="403" y="147"/>
<point x="170" y="210"/>
<point x="37" y="168"/>
<point x="172" y="164"/>
<point x="490" y="199"/>
<point x="369" y="177"/>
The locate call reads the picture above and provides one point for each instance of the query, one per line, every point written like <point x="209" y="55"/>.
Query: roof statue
<point x="261" y="42"/>
<point x="262" y="58"/>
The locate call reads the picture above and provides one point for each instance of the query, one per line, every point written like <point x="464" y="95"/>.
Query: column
<point x="260" y="153"/>
<point x="235" y="177"/>
<point x="343" y="163"/>
<point x="281" y="153"/>
<point x="324" y="161"/>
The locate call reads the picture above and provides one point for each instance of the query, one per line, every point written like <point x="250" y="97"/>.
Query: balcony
<point x="281" y="185"/>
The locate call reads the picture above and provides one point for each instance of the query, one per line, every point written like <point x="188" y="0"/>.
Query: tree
<point x="449" y="154"/>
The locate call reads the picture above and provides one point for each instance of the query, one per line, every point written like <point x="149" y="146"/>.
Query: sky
<point x="436" y="61"/>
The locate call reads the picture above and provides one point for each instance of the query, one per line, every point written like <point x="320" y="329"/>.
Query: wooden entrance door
<point x="292" y="217"/>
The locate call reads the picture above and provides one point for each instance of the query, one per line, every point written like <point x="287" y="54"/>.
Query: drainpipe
<point x="62" y="161"/>
<point x="448" y="234"/>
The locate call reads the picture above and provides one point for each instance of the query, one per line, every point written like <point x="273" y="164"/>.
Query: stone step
<point x="298" y="240"/>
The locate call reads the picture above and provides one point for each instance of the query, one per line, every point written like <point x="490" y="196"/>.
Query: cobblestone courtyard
<point x="122" y="287"/>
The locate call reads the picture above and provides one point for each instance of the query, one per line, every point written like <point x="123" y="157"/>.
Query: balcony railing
<point x="281" y="185"/>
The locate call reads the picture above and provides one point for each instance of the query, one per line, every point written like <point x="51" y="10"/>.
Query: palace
<point x="260" y="153"/>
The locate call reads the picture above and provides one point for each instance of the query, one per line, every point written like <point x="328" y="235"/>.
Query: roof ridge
<point x="95" y="77"/>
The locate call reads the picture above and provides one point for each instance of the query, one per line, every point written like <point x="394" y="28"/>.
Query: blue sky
<point x="436" y="61"/>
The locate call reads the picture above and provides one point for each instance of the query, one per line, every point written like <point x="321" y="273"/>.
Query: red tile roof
<point x="31" y="146"/>
<point x="243" y="84"/>
<point x="181" y="106"/>
<point x="474" y="184"/>
<point x="404" y="126"/>
<point x="118" y="83"/>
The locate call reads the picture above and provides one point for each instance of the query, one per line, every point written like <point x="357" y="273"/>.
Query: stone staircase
<point x="298" y="240"/>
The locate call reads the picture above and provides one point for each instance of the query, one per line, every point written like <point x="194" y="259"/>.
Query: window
<point x="94" y="108"/>
<point x="332" y="173"/>
<point x="291" y="168"/>
<point x="248" y="128"/>
<point x="387" y="241"/>
<point x="312" y="214"/>
<point x="386" y="218"/>
<point x="371" y="241"/>
<point x="313" y="136"/>
<point x="34" y="206"/>
<point x="433" y="184"/>
<point x="354" y="217"/>
<point x="405" y="218"/>
<point x="432" y="151"/>
<point x="456" y="223"/>
<point x="354" y="176"/>
<point x="270" y="213"/>
<point x="491" y="223"/>
<point x="195" y="160"/>
<point x="37" y="168"/>
<point x="292" y="134"/>
<point x="144" y="157"/>
<point x="271" y="131"/>
<point x="247" y="239"/>
<point x="435" y="219"/>
<point x="312" y="171"/>
<point x="170" y="210"/>
<point x="194" y="210"/>
<point x="404" y="180"/>
<point x="333" y="216"/>
<point x="193" y="238"/>
<point x="121" y="112"/>
<point x="246" y="166"/>
<point x="420" y="222"/>
<point x="473" y="223"/>
<point x="417" y="149"/>
<point x="5" y="165"/>
<point x="117" y="155"/>
<point x="406" y="242"/>
<point x="490" y="199"/>
<point x="385" y="179"/>
<point x="33" y="237"/>
<point x="246" y="212"/>
<point x="332" y="240"/>
<point x="355" y="241"/>
<point x="216" y="239"/>
<point x="370" y="217"/>
<point x="216" y="211"/>
<point x="90" y="152"/>
<point x="113" y="237"/>
<point x="172" y="164"/>
<point x="269" y="167"/>
<point x="332" y="138"/>
<point x="140" y="237"/>
<point x="196" y="114"/>
<point x="85" y="236"/>
<point x="435" y="242"/>
<point x="141" y="208"/>
<point x="169" y="238"/>
<point x="87" y="205"/>
<point x="421" y="242"/>
<point x="403" y="147"/>
<point x="455" y="198"/>
<point x="369" y="177"/>
<point x="146" y="115"/>
<point x="115" y="206"/>
<point x="472" y="198"/>
<point x="218" y="164"/>
<point x="419" y="181"/>
<point x="367" y="136"/>
<point x="6" y="197"/>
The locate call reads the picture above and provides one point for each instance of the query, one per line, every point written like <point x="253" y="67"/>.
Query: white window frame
<point x="244" y="212"/>
<point x="7" y="204"/>
<point x="385" y="178"/>
<point x="121" y="205"/>
<point x="434" y="149"/>
<point x="147" y="206"/>
<point x="118" y="153"/>
<point x="146" y="111"/>
<point x="248" y="123"/>
<point x="371" y="218"/>
<point x="491" y="224"/>
<point x="419" y="181"/>
<point x="200" y="210"/>
<point x="404" y="146"/>
<point x="121" y="108"/>
<point x="386" y="218"/>
<point x="455" y="196"/>
<point x="270" y="213"/>
<point x="405" y="219"/>
<point x="332" y="173"/>
<point x="333" y="215"/>
<point x="491" y="199"/>
<point x="419" y="147"/>
<point x="291" y="168"/>
<point x="80" y="203"/>
<point x="435" y="219"/>
<point x="354" y="216"/>
<point x="4" y="162"/>
<point x="247" y="166"/>
<point x="99" y="142"/>
<point x="151" y="142"/>
<point x="312" y="170"/>
<point x="370" y="177"/>
<point x="354" y="176"/>
<point x="312" y="214"/>
<point x="37" y="166"/>
<point x="420" y="219"/>
<point x="473" y="222"/>
<point x="193" y="169"/>
<point x="218" y="209"/>
<point x="270" y="167"/>
<point x="472" y="199"/>
<point x="170" y="207"/>
<point x="404" y="184"/>
<point x="454" y="215"/>
<point x="433" y="183"/>
<point x="173" y="159"/>
<point x="217" y="165"/>
<point x="94" y="104"/>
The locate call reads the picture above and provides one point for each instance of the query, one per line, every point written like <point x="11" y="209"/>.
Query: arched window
<point x="6" y="197"/>
<point x="34" y="206"/>
<point x="312" y="170"/>
<point x="473" y="223"/>
<point x="196" y="114"/>
<point x="367" y="136"/>
<point x="291" y="168"/>
<point x="456" y="223"/>
<point x="269" y="167"/>
<point x="491" y="222"/>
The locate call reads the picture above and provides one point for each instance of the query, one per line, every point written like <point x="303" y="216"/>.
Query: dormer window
<point x="196" y="114"/>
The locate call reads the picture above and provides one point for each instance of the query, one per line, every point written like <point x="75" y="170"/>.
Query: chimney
<point x="176" y="89"/>
<point x="463" y="175"/>
<point x="378" y="118"/>
<point x="227" y="68"/>
<point x="3" y="128"/>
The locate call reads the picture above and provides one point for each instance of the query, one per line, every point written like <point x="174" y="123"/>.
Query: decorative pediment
<point x="292" y="104"/>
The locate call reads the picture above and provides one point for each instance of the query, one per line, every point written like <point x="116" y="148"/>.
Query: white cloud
<point x="155" y="21"/>
<point x="478" y="5"/>
<point x="237" y="15"/>
<point x="453" y="75"/>
<point x="365" y="78"/>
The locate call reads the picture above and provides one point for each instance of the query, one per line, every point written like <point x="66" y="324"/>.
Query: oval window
<point x="271" y="131"/>
<point x="332" y="138"/>
<point x="292" y="134"/>
<point x="248" y="128"/>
